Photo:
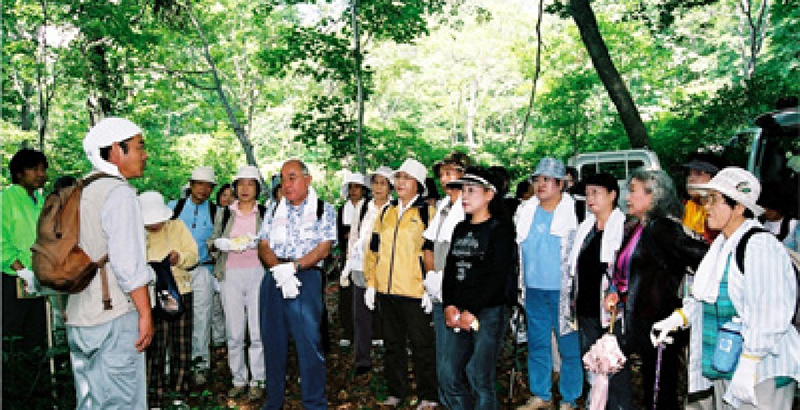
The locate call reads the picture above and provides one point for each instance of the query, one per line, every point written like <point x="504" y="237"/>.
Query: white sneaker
<point x="344" y="343"/>
<point x="425" y="404"/>
<point x="391" y="401"/>
<point x="377" y="343"/>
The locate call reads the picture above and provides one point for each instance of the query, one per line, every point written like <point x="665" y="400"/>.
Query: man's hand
<point x="283" y="273"/>
<point x="146" y="332"/>
<point x="174" y="257"/>
<point x="465" y="322"/>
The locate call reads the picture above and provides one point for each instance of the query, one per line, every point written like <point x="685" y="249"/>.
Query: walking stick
<point x="658" y="375"/>
<point x="515" y="348"/>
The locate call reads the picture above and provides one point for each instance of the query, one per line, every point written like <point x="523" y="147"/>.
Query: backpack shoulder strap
<point x="320" y="209"/>
<point x="784" y="231"/>
<point x="176" y="213"/>
<point x="212" y="209"/>
<point x="226" y="215"/>
<point x="364" y="209"/>
<point x="740" y="247"/>
<point x="262" y="210"/>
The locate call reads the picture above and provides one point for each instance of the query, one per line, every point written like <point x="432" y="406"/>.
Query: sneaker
<point x="536" y="403"/>
<point x="426" y="404"/>
<point x="391" y="401"/>
<point x="200" y="378"/>
<point x="237" y="391"/>
<point x="344" y="343"/>
<point x="566" y="406"/>
<point x="377" y="343"/>
<point x="255" y="393"/>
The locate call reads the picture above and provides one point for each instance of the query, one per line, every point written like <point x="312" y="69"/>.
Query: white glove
<point x="344" y="279"/>
<point x="31" y="283"/>
<point x="433" y="284"/>
<point x="661" y="329"/>
<point x="369" y="298"/>
<point x="291" y="288"/>
<point x="223" y="244"/>
<point x="743" y="384"/>
<point x="283" y="273"/>
<point x="427" y="303"/>
<point x="254" y="240"/>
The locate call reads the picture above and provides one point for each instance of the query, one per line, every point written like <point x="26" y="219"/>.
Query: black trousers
<point x="345" y="313"/>
<point x="404" y="320"/>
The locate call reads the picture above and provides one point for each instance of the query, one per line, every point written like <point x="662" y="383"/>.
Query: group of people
<point x="433" y="278"/>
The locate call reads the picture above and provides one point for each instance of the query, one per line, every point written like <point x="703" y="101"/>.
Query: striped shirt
<point x="764" y="297"/>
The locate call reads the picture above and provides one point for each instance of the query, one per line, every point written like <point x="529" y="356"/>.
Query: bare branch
<point x="537" y="71"/>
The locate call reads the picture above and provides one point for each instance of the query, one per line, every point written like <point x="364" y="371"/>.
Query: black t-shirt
<point x="478" y="266"/>
<point x="590" y="275"/>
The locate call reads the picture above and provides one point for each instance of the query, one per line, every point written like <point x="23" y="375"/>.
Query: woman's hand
<point x="451" y="316"/>
<point x="610" y="301"/>
<point x="466" y="320"/>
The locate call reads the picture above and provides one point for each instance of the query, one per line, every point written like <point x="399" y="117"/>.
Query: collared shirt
<point x="19" y="217"/>
<point x="243" y="225"/>
<point x="301" y="241"/>
<point x="403" y="207"/>
<point x="198" y="219"/>
<point x="122" y="222"/>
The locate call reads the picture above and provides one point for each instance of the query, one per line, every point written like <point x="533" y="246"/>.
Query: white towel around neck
<point x="564" y="218"/>
<point x="613" y="233"/>
<point x="705" y="287"/>
<point x="456" y="215"/>
<point x="279" y="228"/>
<point x="349" y="211"/>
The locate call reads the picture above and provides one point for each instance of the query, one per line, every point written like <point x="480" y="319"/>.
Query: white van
<point x="617" y="163"/>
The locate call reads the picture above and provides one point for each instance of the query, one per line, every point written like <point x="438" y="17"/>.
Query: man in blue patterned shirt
<point x="295" y="239"/>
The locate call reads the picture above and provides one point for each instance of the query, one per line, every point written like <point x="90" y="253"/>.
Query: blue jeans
<point x="541" y="307"/>
<point x="439" y="330"/>
<point x="480" y="352"/>
<point x="300" y="316"/>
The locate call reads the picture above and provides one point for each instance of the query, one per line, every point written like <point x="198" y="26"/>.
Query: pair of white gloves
<point x="743" y="384"/>
<point x="433" y="292"/>
<point x="286" y="280"/>
<point x="238" y="244"/>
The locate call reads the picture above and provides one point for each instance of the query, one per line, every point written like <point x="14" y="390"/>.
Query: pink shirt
<point x="243" y="225"/>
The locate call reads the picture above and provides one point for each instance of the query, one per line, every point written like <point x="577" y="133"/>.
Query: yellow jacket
<point x="393" y="261"/>
<point x="174" y="236"/>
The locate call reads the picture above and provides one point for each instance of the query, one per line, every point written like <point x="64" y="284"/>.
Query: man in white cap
<point x="107" y="340"/>
<point x="546" y="225"/>
<point x="354" y="190"/>
<point x="198" y="213"/>
<point x="295" y="239"/>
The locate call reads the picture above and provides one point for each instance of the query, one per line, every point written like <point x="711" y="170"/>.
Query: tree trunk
<point x="247" y="146"/>
<point x="359" y="88"/>
<point x="536" y="72"/>
<point x="590" y="34"/>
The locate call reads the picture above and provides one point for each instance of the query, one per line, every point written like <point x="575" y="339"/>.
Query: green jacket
<point x="19" y="217"/>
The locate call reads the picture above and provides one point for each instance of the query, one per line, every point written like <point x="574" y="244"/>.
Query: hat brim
<point x="471" y="180"/>
<point x="731" y="193"/>
<point x="424" y="192"/>
<point x="161" y="215"/>
<point x="701" y="166"/>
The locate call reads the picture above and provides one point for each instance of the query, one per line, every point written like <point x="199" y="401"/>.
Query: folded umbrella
<point x="603" y="359"/>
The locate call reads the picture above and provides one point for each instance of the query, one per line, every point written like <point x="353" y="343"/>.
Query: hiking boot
<point x="200" y="378"/>
<point x="391" y="401"/>
<point x="536" y="403"/>
<point x="237" y="391"/>
<point x="426" y="404"/>
<point x="255" y="393"/>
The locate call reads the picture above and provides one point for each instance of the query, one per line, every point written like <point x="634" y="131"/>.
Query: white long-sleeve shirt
<point x="764" y="297"/>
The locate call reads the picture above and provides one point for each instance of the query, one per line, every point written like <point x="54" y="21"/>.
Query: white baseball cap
<point x="738" y="184"/>
<point x="153" y="208"/>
